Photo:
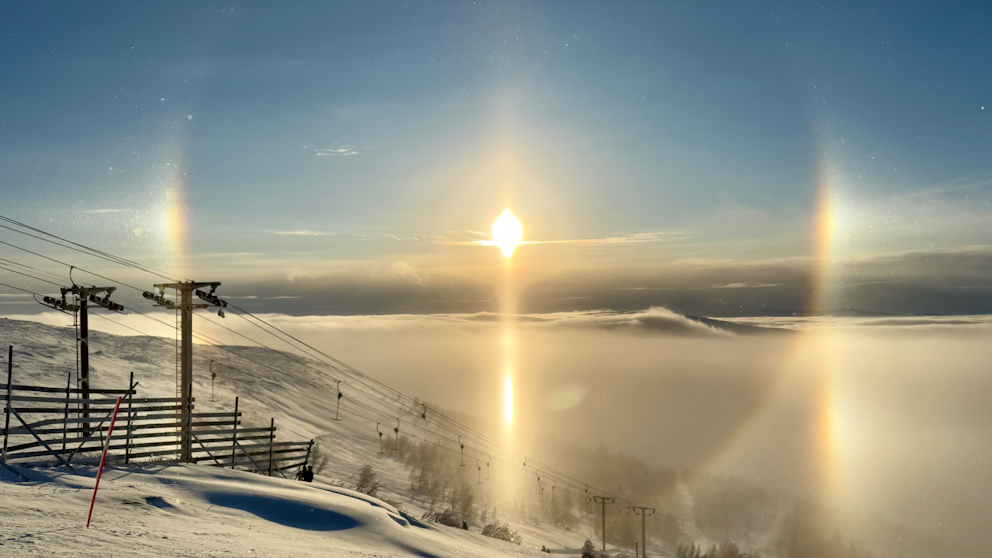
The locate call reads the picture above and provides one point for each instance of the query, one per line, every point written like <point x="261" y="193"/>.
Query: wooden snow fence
<point x="53" y="426"/>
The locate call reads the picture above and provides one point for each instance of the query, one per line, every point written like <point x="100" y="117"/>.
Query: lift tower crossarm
<point x="186" y="307"/>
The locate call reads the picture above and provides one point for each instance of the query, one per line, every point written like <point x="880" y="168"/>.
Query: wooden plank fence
<point x="46" y="426"/>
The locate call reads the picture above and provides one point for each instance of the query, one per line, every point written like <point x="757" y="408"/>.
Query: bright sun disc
<point x="507" y="232"/>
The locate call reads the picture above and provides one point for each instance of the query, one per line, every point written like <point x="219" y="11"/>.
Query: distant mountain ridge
<point x="739" y="329"/>
<point x="806" y="313"/>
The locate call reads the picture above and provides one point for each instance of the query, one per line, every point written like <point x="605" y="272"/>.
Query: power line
<point x="42" y="271"/>
<point x="551" y="472"/>
<point x="216" y="344"/>
<point x="363" y="380"/>
<point x="29" y="275"/>
<point x="20" y="289"/>
<point x="70" y="266"/>
<point x="355" y="374"/>
<point x="362" y="405"/>
<point x="82" y="248"/>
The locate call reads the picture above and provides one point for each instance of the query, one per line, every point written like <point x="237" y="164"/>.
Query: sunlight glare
<point x="507" y="232"/>
<point x="508" y="399"/>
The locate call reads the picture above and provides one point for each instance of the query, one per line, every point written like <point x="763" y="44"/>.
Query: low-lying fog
<point x="888" y="416"/>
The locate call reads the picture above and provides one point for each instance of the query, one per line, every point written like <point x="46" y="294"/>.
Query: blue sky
<point x="384" y="129"/>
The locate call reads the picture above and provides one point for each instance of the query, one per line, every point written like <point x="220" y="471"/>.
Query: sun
<point x="507" y="232"/>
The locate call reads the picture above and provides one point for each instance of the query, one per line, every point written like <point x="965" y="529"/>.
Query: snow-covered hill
<point x="204" y="511"/>
<point x="190" y="510"/>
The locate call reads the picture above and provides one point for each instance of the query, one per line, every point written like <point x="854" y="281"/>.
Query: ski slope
<point x="188" y="510"/>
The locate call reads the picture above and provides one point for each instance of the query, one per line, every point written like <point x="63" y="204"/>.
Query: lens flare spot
<point x="507" y="232"/>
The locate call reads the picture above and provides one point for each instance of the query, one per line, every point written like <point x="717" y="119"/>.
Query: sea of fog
<point x="887" y="416"/>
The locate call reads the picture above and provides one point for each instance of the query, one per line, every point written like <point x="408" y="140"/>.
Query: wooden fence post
<point x="6" y="420"/>
<point x="307" y="458"/>
<point x="65" y="415"/>
<point x="188" y="436"/>
<point x="272" y="439"/>
<point x="130" y="418"/>
<point x="234" y="436"/>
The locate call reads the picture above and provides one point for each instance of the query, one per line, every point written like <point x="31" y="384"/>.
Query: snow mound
<point x="190" y="510"/>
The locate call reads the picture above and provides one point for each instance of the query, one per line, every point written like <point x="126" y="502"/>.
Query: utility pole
<point x="644" y="513"/>
<point x="186" y="289"/>
<point x="603" y="500"/>
<point x="85" y="295"/>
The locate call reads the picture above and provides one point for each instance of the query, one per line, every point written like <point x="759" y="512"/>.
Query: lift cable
<point x="362" y="378"/>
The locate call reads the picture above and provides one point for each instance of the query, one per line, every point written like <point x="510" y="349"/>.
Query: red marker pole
<point x="103" y="461"/>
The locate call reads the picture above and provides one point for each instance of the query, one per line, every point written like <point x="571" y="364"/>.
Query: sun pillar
<point x="826" y="438"/>
<point x="507" y="234"/>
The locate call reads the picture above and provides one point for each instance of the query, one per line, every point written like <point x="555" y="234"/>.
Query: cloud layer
<point x="909" y="394"/>
<point x="952" y="282"/>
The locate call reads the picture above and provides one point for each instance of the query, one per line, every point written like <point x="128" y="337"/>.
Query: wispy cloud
<point x="427" y="237"/>
<point x="655" y="320"/>
<point x="643" y="288"/>
<point x="636" y="238"/>
<point x="343" y="150"/>
<point x="458" y="238"/>
<point x="408" y="272"/>
<point x="747" y="285"/>
<point x="301" y="233"/>
<point x="254" y="297"/>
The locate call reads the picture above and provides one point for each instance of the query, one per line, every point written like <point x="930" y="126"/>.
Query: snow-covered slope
<point x="189" y="510"/>
<point x="206" y="511"/>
